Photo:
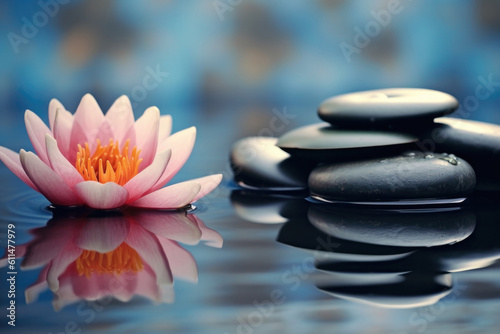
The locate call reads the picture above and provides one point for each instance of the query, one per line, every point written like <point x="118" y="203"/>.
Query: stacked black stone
<point x="381" y="146"/>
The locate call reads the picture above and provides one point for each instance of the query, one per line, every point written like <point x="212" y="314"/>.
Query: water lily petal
<point x="165" y="128"/>
<point x="146" y="284"/>
<point x="60" y="263"/>
<point x="211" y="237"/>
<point x="170" y="225"/>
<point x="208" y="183"/>
<point x="149" y="249"/>
<point x="63" y="124"/>
<point x="33" y="291"/>
<point x="171" y="197"/>
<point x="146" y="132"/>
<point x="60" y="164"/>
<point x="88" y="119"/>
<point x="182" y="144"/>
<point x="99" y="285"/>
<point x="102" y="234"/>
<point x="12" y="161"/>
<point x="50" y="241"/>
<point x="125" y="287"/>
<point x="47" y="181"/>
<point x="102" y="195"/>
<point x="121" y="118"/>
<point x="65" y="295"/>
<point x="37" y="130"/>
<point x="142" y="182"/>
<point x="105" y="133"/>
<point x="83" y="287"/>
<point x="54" y="104"/>
<point x="182" y="262"/>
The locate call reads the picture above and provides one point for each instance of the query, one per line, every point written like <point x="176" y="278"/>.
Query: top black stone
<point x="392" y="107"/>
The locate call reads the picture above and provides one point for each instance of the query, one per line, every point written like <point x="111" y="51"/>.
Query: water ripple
<point x="25" y="207"/>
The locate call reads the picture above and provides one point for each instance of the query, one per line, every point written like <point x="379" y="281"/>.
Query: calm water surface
<point x="286" y="265"/>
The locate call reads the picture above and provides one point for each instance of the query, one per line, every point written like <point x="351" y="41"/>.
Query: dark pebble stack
<point x="387" y="146"/>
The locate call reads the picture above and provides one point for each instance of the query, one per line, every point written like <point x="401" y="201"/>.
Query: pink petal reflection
<point x="63" y="246"/>
<point x="102" y="234"/>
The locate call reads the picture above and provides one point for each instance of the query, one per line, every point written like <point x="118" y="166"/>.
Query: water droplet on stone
<point x="451" y="159"/>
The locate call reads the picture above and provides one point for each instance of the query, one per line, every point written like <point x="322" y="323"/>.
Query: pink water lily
<point x="107" y="161"/>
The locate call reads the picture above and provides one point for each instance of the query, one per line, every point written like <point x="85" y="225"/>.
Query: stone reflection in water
<point x="262" y="208"/>
<point x="89" y="255"/>
<point x="413" y="289"/>
<point x="393" y="258"/>
<point x="404" y="227"/>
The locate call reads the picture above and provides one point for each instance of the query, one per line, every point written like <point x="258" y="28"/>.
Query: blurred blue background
<point x="239" y="58"/>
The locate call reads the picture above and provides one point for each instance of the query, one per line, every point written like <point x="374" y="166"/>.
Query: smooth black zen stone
<point x="392" y="107"/>
<point x="409" y="178"/>
<point x="322" y="142"/>
<point x="259" y="164"/>
<point x="476" y="142"/>
<point x="405" y="227"/>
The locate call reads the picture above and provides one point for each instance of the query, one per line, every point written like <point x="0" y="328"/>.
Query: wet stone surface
<point x="414" y="175"/>
<point x="378" y="125"/>
<point x="476" y="142"/>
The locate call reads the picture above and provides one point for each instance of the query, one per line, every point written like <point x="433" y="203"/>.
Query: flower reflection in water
<point x="86" y="255"/>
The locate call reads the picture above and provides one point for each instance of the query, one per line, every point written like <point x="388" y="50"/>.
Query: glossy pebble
<point x="259" y="164"/>
<point x="412" y="178"/>
<point x="476" y="142"/>
<point x="392" y="107"/>
<point x="322" y="142"/>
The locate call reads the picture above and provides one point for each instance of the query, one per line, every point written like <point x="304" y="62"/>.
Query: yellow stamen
<point x="120" y="260"/>
<point x="108" y="163"/>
